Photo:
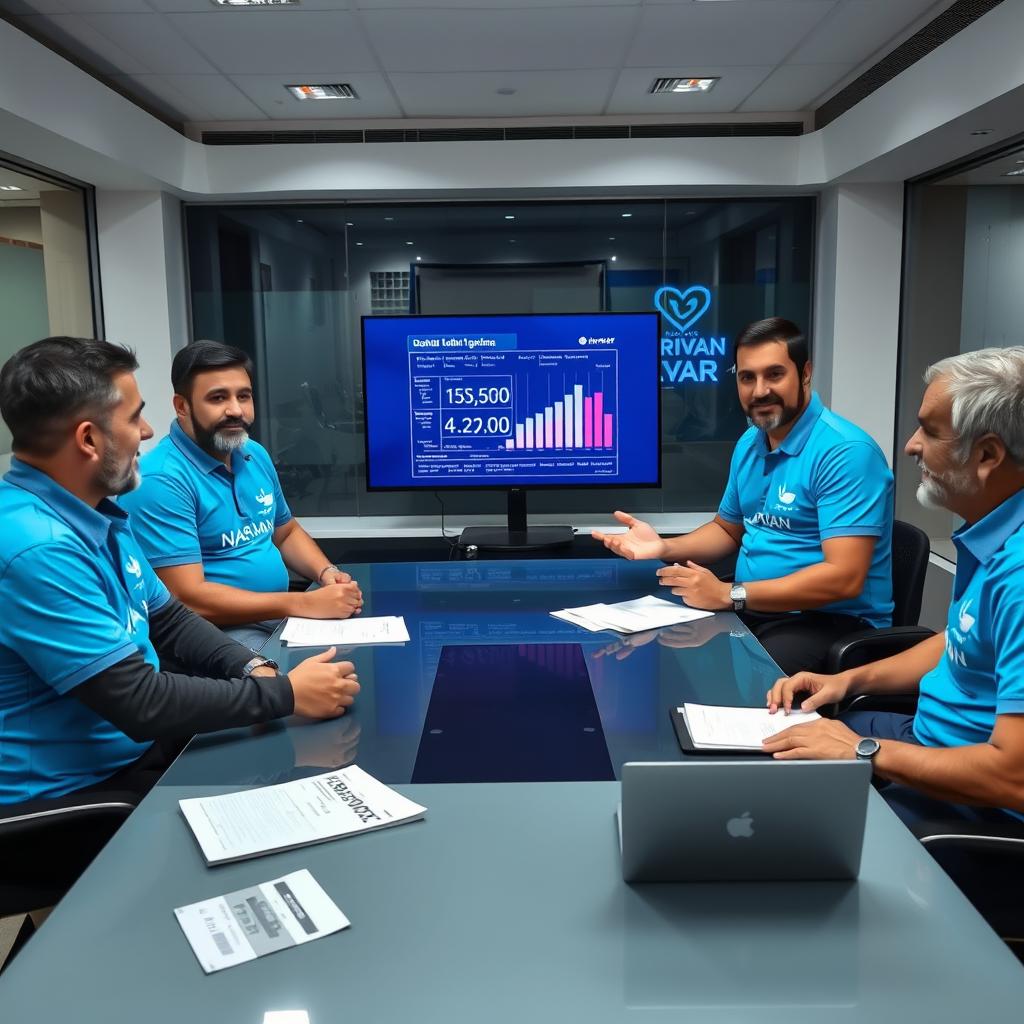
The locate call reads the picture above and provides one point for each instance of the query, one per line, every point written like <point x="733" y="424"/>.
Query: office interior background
<point x="856" y="166"/>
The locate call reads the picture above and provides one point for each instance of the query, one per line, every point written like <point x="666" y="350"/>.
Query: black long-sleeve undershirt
<point x="147" y="704"/>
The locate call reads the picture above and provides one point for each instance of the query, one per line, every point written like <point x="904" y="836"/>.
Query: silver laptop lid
<point x="709" y="819"/>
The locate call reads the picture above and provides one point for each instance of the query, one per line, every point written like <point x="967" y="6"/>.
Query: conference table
<point x="506" y="903"/>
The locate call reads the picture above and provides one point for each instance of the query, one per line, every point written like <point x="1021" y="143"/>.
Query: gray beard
<point x="227" y="443"/>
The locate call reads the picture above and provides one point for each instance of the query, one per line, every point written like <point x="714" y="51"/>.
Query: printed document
<point x="382" y="629"/>
<point x="630" y="616"/>
<point x="260" y="919"/>
<point x="715" y="728"/>
<point x="234" y="826"/>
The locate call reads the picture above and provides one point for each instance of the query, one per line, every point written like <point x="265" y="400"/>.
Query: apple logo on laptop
<point x="741" y="827"/>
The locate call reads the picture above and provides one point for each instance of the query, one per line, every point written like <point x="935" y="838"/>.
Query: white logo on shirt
<point x="966" y="620"/>
<point x="134" y="620"/>
<point x="786" y="497"/>
<point x="132" y="567"/>
<point x="266" y="500"/>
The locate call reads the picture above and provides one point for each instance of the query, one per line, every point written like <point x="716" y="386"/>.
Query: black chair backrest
<point x="910" y="551"/>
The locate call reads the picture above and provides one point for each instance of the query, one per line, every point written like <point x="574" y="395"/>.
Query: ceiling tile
<point x="277" y="40"/>
<point x="795" y="86"/>
<point x="208" y="7"/>
<point x="269" y="94"/>
<point x="378" y="5"/>
<point x="857" y="29"/>
<point x="631" y="94"/>
<point x="748" y="33"/>
<point x="19" y="7"/>
<point x="473" y="93"/>
<point x="161" y="96"/>
<point x="150" y="39"/>
<point x="219" y="96"/>
<point x="523" y="40"/>
<point x="72" y="33"/>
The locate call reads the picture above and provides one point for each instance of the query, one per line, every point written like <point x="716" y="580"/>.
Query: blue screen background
<point x="496" y="400"/>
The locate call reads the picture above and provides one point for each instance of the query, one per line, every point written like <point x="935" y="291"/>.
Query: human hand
<point x="336" y="601"/>
<point x="824" y="739"/>
<point x="821" y="689"/>
<point x="686" y="635"/>
<point x="697" y="586"/>
<point x="641" y="540"/>
<point x="332" y="574"/>
<point x="322" y="687"/>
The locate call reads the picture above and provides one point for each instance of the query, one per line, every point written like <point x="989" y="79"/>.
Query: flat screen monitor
<point x="512" y="401"/>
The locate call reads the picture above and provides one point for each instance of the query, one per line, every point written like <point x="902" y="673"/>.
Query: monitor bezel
<point x="655" y="319"/>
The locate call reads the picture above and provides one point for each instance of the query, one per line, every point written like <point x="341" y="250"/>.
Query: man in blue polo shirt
<point x="211" y="516"/>
<point x="84" y="702"/>
<point x="962" y="755"/>
<point x="808" y="505"/>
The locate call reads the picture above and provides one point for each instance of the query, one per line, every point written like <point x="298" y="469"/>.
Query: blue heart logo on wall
<point x="682" y="309"/>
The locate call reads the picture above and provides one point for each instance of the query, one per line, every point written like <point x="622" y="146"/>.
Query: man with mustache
<point x="87" y="701"/>
<point x="808" y="505"/>
<point x="210" y="514"/>
<point x="961" y="756"/>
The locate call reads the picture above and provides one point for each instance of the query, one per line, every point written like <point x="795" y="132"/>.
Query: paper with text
<point x="382" y="629"/>
<point x="737" y="728"/>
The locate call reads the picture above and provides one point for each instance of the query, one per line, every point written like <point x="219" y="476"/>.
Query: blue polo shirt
<point x="827" y="479"/>
<point x="76" y="595"/>
<point x="191" y="508"/>
<point x="982" y="672"/>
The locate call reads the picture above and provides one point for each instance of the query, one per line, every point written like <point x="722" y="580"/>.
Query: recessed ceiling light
<point x="611" y="238"/>
<point x="614" y="258"/>
<point x="511" y="241"/>
<point x="1014" y="174"/>
<point x="388" y="220"/>
<point x="300" y="221"/>
<point x="410" y="243"/>
<point x="349" y="224"/>
<point x="359" y="243"/>
<point x="418" y="258"/>
<point x="11" y="188"/>
<point x="510" y="216"/>
<point x="662" y="85"/>
<point x="253" y="3"/>
<point x="322" y="92"/>
<point x="983" y="131"/>
<point x="627" y="215"/>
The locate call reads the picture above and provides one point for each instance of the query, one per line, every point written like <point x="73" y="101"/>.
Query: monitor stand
<point x="517" y="536"/>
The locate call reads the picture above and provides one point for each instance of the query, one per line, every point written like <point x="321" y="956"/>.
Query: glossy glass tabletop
<point x="493" y="688"/>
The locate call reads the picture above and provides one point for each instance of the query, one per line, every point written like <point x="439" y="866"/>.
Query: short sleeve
<point x="1008" y="644"/>
<point x="164" y="520"/>
<point x="729" y="508"/>
<point x="853" y="492"/>
<point x="58" y="617"/>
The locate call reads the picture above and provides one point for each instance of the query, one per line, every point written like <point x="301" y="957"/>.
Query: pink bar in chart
<point x="575" y="421"/>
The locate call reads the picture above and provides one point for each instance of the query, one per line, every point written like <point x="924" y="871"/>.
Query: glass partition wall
<point x="963" y="267"/>
<point x="289" y="285"/>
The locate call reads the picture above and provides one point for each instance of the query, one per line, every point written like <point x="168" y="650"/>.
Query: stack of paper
<point x="714" y="728"/>
<point x="385" y="629"/>
<point x="234" y="826"/>
<point x="630" y="616"/>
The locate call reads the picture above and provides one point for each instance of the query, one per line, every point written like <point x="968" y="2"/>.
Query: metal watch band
<point x="258" y="662"/>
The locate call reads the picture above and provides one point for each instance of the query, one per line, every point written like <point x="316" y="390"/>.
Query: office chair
<point x="46" y="844"/>
<point x="910" y="551"/>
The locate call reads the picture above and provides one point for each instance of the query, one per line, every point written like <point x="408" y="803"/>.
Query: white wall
<point x="858" y="304"/>
<point x="143" y="290"/>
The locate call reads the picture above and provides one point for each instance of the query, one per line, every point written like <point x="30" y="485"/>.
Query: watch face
<point x="868" y="747"/>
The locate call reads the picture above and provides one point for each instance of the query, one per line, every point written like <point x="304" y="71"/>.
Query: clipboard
<point x="687" y="747"/>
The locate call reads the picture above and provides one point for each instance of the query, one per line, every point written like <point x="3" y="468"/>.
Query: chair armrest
<point x="869" y="645"/>
<point x="36" y="817"/>
<point x="1004" y="837"/>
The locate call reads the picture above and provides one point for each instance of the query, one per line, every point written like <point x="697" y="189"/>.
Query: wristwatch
<point x="258" y="662"/>
<point x="738" y="596"/>
<point x="867" y="748"/>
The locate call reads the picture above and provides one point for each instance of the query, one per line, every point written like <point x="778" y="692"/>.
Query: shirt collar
<point x="93" y="524"/>
<point x="987" y="536"/>
<point x="794" y="442"/>
<point x="203" y="461"/>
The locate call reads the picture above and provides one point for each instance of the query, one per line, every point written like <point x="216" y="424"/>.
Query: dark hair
<point x="204" y="355"/>
<point x="53" y="383"/>
<point x="775" y="328"/>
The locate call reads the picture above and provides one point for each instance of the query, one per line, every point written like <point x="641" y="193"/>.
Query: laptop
<point x="711" y="820"/>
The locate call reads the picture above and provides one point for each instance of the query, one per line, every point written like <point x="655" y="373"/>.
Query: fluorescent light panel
<point x="322" y="92"/>
<point x="253" y="3"/>
<point x="662" y="85"/>
<point x="1014" y="174"/>
<point x="11" y="188"/>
